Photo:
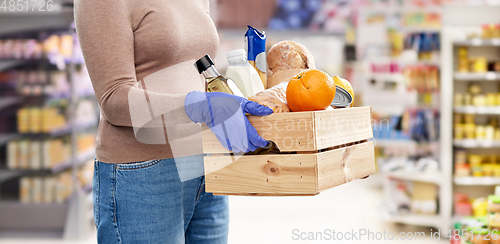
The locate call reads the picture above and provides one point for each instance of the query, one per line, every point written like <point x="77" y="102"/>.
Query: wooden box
<point x="319" y="150"/>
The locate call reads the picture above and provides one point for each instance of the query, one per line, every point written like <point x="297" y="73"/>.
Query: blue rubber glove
<point x="224" y="114"/>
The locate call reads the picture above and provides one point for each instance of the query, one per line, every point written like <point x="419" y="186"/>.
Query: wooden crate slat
<point x="343" y="165"/>
<point x="290" y="131"/>
<point x="264" y="174"/>
<point x="346" y="126"/>
<point x="305" y="131"/>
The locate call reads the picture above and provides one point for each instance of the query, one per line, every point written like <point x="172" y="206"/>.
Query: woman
<point x="148" y="183"/>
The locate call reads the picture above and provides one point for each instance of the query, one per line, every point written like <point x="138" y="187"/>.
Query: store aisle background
<point x="271" y="220"/>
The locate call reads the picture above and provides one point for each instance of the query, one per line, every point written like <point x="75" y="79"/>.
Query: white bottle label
<point x="261" y="63"/>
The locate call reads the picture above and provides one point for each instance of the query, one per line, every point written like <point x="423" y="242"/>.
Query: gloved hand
<point x="224" y="114"/>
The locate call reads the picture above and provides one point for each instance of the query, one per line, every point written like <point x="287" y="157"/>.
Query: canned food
<point x="459" y="131"/>
<point x="343" y="98"/>
<point x="470" y="131"/>
<point x="469" y="118"/>
<point x="475" y="160"/>
<point x="459" y="99"/>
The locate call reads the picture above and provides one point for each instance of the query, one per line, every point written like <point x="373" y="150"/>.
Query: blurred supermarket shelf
<point x="8" y="101"/>
<point x="82" y="125"/>
<point x="472" y="143"/>
<point x="5" y="138"/>
<point x="401" y="143"/>
<point x="478" y="42"/>
<point x="388" y="77"/>
<point x="7" y="174"/>
<point x="53" y="133"/>
<point x="429" y="177"/>
<point x="82" y="158"/>
<point x="8" y="64"/>
<point x="477" y="76"/>
<point x="474" y="181"/>
<point x="394" y="143"/>
<point x="79" y="126"/>
<point x="422" y="29"/>
<point x="478" y="109"/>
<point x="413" y="219"/>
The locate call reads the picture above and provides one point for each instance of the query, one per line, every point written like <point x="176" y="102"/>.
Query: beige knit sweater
<point x="140" y="56"/>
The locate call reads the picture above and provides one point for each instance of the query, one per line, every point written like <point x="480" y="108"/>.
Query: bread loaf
<point x="288" y="55"/>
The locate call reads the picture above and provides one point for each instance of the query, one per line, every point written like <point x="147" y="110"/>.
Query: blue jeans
<point x="146" y="202"/>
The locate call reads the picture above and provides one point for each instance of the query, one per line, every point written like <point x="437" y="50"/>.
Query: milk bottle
<point x="243" y="73"/>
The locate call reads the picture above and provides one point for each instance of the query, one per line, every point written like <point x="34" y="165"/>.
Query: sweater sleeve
<point x="106" y="37"/>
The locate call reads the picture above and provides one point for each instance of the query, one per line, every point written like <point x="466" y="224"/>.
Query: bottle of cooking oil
<point x="215" y="81"/>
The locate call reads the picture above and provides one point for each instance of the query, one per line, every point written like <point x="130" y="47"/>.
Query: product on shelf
<point x="40" y="120"/>
<point x="85" y="174"/>
<point x="49" y="189"/>
<point x="480" y="207"/>
<point x="423" y="78"/>
<point x="477" y="165"/>
<point x="490" y="31"/>
<point x="412" y="197"/>
<point x="424" y="198"/>
<point x="463" y="206"/>
<point x="494" y="212"/>
<point x="85" y="142"/>
<point x="54" y="45"/>
<point x="478" y="236"/>
<point x="34" y="154"/>
<point x="466" y="128"/>
<point x="85" y="113"/>
<point x="426" y="45"/>
<point x="466" y="64"/>
<point x="475" y="97"/>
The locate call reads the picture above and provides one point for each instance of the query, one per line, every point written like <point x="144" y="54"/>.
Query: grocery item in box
<point x="255" y="45"/>
<point x="310" y="90"/>
<point x="288" y="55"/>
<point x="242" y="73"/>
<point x="274" y="97"/>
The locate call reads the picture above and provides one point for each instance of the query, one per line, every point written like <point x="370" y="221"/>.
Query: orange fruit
<point x="346" y="85"/>
<point x="310" y="90"/>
